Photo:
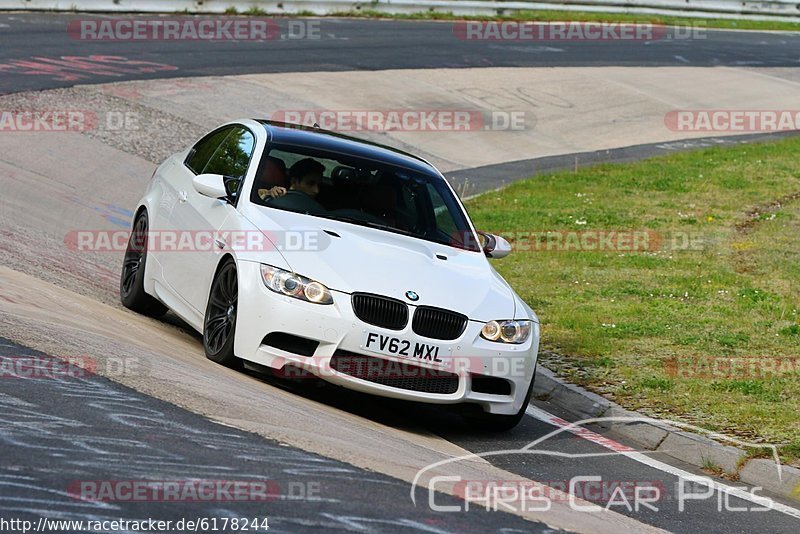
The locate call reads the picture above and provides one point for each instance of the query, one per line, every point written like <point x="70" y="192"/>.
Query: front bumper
<point x="337" y="330"/>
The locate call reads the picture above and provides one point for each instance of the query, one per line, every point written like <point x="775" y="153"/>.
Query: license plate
<point x="395" y="346"/>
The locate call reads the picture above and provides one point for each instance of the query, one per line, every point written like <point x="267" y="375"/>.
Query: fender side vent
<point x="290" y="343"/>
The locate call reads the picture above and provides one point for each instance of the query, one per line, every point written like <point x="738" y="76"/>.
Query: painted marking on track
<point x="75" y="68"/>
<point x="580" y="431"/>
<point x="628" y="452"/>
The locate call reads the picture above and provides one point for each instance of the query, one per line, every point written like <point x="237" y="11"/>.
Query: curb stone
<point x="663" y="438"/>
<point x="761" y="472"/>
<point x="701" y="451"/>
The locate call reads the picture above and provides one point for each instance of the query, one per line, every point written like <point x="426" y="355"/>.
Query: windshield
<point x="363" y="192"/>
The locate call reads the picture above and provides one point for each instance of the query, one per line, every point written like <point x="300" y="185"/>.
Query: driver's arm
<point x="273" y="192"/>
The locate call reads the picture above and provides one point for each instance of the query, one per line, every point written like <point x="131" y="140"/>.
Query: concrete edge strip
<point x="723" y="9"/>
<point x="664" y="438"/>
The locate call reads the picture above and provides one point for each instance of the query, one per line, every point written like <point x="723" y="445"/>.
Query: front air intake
<point x="400" y="375"/>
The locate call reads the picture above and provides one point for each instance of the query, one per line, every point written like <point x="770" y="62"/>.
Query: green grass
<point x="584" y="16"/>
<point x="638" y="325"/>
<point x="255" y="12"/>
<point x="548" y="15"/>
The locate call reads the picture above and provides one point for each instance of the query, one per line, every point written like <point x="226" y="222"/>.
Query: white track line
<point x="628" y="452"/>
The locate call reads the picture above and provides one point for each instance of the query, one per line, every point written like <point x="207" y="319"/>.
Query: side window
<point x="204" y="149"/>
<point x="232" y="158"/>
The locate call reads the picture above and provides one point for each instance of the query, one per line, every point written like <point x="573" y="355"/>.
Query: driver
<point x="305" y="176"/>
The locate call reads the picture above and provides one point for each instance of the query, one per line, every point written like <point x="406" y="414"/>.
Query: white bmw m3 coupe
<point x="297" y="249"/>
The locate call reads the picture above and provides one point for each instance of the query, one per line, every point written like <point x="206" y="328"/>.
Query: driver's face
<point x="308" y="184"/>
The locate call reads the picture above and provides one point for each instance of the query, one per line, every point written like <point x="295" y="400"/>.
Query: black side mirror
<point x="232" y="188"/>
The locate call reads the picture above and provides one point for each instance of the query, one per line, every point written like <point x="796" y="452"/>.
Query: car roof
<point x="295" y="134"/>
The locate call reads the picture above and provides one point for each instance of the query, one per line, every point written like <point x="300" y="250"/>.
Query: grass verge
<point x="561" y="16"/>
<point x="702" y="321"/>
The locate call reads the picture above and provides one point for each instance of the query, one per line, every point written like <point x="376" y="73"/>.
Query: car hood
<point x="363" y="259"/>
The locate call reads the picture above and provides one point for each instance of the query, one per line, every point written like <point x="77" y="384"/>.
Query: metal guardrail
<point x="785" y="10"/>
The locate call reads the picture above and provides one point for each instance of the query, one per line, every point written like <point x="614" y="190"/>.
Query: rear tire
<point x="219" y="326"/>
<point x="501" y="423"/>
<point x="131" y="282"/>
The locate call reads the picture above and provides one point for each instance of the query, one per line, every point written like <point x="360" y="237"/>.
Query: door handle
<point x="182" y="196"/>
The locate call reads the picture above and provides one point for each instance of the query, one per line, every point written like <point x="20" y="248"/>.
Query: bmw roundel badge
<point x="412" y="296"/>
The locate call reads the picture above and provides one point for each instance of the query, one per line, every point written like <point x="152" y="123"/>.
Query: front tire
<point x="131" y="281"/>
<point x="219" y="326"/>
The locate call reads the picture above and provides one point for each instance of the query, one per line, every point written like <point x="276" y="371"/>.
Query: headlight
<point x="294" y="285"/>
<point x="507" y="331"/>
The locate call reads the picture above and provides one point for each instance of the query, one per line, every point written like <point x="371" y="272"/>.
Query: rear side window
<point x="232" y="158"/>
<point x="201" y="152"/>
